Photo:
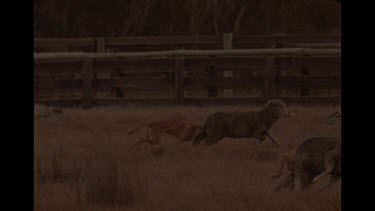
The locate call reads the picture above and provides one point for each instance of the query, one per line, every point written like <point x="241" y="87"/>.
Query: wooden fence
<point x="296" y="75"/>
<point x="157" y="43"/>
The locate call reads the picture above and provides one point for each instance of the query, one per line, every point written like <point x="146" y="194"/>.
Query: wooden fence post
<point x="228" y="44"/>
<point x="228" y="41"/>
<point x="179" y="79"/>
<point x="269" y="78"/>
<point x="277" y="72"/>
<point x="100" y="45"/>
<point x="87" y="77"/>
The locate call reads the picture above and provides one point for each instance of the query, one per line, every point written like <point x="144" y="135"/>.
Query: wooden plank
<point x="261" y="100"/>
<point x="314" y="45"/>
<point x="219" y="100"/>
<point x="313" y="100"/>
<point x="73" y="42"/>
<point x="57" y="84"/>
<point x="118" y="74"/>
<point x="163" y="65"/>
<point x="128" y="89"/>
<point x="223" y="61"/>
<point x="322" y="81"/>
<point x="59" y="63"/>
<point x="144" y="48"/>
<point x="230" y="68"/>
<point x="152" y="101"/>
<point x="255" y="82"/>
<point x="179" y="79"/>
<point x="272" y="39"/>
<point x="50" y="69"/>
<point x="334" y="100"/>
<point x="150" y="83"/>
<point x="63" y="75"/>
<point x="134" y="61"/>
<point x="52" y="48"/>
<point x="319" y="81"/>
<point x="128" y="70"/>
<point x="135" y="64"/>
<point x="61" y="102"/>
<point x="87" y="77"/>
<point x="259" y="59"/>
<point x="311" y="61"/>
<point x="162" y="40"/>
<point x="47" y="92"/>
<point x="51" y="61"/>
<point x="186" y="40"/>
<point x="202" y="63"/>
<point x="231" y="52"/>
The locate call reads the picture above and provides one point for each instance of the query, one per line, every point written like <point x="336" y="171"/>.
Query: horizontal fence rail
<point x="296" y="75"/>
<point x="157" y="43"/>
<point x="234" y="52"/>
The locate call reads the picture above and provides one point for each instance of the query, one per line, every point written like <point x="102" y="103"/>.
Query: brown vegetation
<point x="82" y="162"/>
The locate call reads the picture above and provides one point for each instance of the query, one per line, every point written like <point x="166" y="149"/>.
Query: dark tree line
<point x="77" y="18"/>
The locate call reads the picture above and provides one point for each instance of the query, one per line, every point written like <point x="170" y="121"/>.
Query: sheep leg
<point x="280" y="172"/>
<point x="298" y="185"/>
<point x="329" y="165"/>
<point x="286" y="182"/>
<point x="212" y="137"/>
<point x="298" y="174"/>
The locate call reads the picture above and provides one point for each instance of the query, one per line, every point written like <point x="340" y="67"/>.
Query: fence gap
<point x="305" y="72"/>
<point x="212" y="75"/>
<point x="179" y="79"/>
<point x="269" y="78"/>
<point x="228" y="44"/>
<point x="277" y="71"/>
<point x="87" y="77"/>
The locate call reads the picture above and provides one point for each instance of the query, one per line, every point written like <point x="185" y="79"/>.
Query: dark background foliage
<point x="80" y="18"/>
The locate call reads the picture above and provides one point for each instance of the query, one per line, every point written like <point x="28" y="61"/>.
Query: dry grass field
<point x="82" y="162"/>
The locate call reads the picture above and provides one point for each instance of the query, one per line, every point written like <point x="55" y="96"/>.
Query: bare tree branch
<point x="238" y="19"/>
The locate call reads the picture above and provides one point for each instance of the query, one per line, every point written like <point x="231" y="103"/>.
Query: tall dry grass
<point x="82" y="162"/>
